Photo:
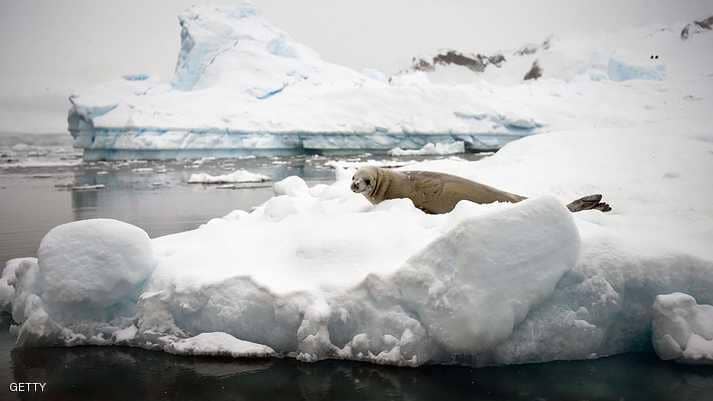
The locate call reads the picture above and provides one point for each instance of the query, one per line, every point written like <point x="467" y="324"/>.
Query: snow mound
<point x="431" y="149"/>
<point x="93" y="264"/>
<point x="682" y="329"/>
<point x="234" y="177"/>
<point x="219" y="344"/>
<point x="291" y="186"/>
<point x="482" y="278"/>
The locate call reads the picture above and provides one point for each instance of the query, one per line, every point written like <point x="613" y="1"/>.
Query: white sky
<point x="50" y="48"/>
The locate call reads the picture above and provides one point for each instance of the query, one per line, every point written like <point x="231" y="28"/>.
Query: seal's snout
<point x="354" y="187"/>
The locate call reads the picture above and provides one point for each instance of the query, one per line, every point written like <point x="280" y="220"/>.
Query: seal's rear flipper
<point x="589" y="202"/>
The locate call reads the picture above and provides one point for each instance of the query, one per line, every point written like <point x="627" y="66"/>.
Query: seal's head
<point x="364" y="180"/>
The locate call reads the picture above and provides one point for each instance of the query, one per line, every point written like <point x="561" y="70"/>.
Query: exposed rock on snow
<point x="234" y="177"/>
<point x="682" y="329"/>
<point x="473" y="62"/>
<point x="534" y="73"/>
<point x="697" y="27"/>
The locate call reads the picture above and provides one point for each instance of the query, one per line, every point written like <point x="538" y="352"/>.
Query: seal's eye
<point x="367" y="181"/>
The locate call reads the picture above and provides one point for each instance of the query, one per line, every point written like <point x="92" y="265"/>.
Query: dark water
<point x="32" y="201"/>
<point x="113" y="373"/>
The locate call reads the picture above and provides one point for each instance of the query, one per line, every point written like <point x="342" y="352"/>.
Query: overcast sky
<point x="50" y="48"/>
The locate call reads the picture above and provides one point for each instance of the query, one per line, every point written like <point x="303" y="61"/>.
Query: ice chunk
<point x="621" y="71"/>
<point x="89" y="266"/>
<point x="431" y="149"/>
<point x="682" y="329"/>
<point x="474" y="285"/>
<point x="236" y="176"/>
<point x="291" y="186"/>
<point x="219" y="344"/>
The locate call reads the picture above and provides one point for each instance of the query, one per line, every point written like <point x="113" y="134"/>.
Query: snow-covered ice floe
<point x="682" y="329"/>
<point x="234" y="177"/>
<point x="318" y="272"/>
<point x="431" y="149"/>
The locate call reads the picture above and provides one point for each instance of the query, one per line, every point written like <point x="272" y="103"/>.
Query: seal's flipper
<point x="589" y="202"/>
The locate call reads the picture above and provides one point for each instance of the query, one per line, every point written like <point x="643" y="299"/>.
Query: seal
<point x="438" y="193"/>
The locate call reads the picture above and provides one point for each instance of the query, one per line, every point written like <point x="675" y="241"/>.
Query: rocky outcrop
<point x="474" y="62"/>
<point x="535" y="71"/>
<point x="697" y="27"/>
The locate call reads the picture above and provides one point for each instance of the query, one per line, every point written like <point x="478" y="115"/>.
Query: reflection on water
<point x="131" y="374"/>
<point x="117" y="373"/>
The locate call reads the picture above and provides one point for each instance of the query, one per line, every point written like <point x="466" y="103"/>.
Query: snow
<point x="318" y="272"/>
<point x="431" y="149"/>
<point x="219" y="344"/>
<point x="355" y="164"/>
<point x="236" y="176"/>
<point x="291" y="186"/>
<point x="242" y="85"/>
<point x="682" y="329"/>
<point x="93" y="264"/>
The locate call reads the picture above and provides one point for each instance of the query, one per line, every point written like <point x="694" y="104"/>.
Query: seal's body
<point x="438" y="193"/>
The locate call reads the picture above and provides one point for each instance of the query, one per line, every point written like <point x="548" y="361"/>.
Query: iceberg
<point x="242" y="86"/>
<point x="431" y="149"/>
<point x="235" y="176"/>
